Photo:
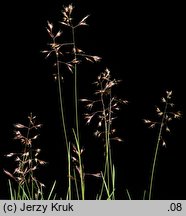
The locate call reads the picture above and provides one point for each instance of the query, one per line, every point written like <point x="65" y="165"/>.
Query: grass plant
<point x="101" y="108"/>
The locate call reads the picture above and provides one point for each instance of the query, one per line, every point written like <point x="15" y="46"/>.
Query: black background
<point x="143" y="44"/>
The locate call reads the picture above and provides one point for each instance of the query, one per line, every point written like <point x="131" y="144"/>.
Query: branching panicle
<point x="67" y="50"/>
<point x="27" y="160"/>
<point x="165" y="115"/>
<point x="105" y="105"/>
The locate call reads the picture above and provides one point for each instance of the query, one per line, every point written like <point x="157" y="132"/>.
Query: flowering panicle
<point x="67" y="53"/>
<point x="165" y="115"/>
<point x="104" y="107"/>
<point x="27" y="160"/>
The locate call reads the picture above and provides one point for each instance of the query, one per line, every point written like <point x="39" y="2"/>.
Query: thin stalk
<point x="109" y="193"/>
<point x="81" y="171"/>
<point x="69" y="195"/>
<point x="75" y="85"/>
<point x="51" y="191"/>
<point x="156" y="151"/>
<point x="108" y="171"/>
<point x="128" y="194"/>
<point x="61" y="102"/>
<point x="63" y="117"/>
<point x="144" y="194"/>
<point x="109" y="130"/>
<point x="10" y="188"/>
<point x="106" y="144"/>
<point x="113" y="182"/>
<point x="76" y="184"/>
<point x="29" y="195"/>
<point x="105" y="184"/>
<point x="31" y="165"/>
<point x="76" y="132"/>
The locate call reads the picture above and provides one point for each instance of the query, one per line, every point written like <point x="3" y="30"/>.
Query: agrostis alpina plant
<point x="103" y="109"/>
<point x="27" y="160"/>
<point x="165" y="115"/>
<point x="68" y="54"/>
